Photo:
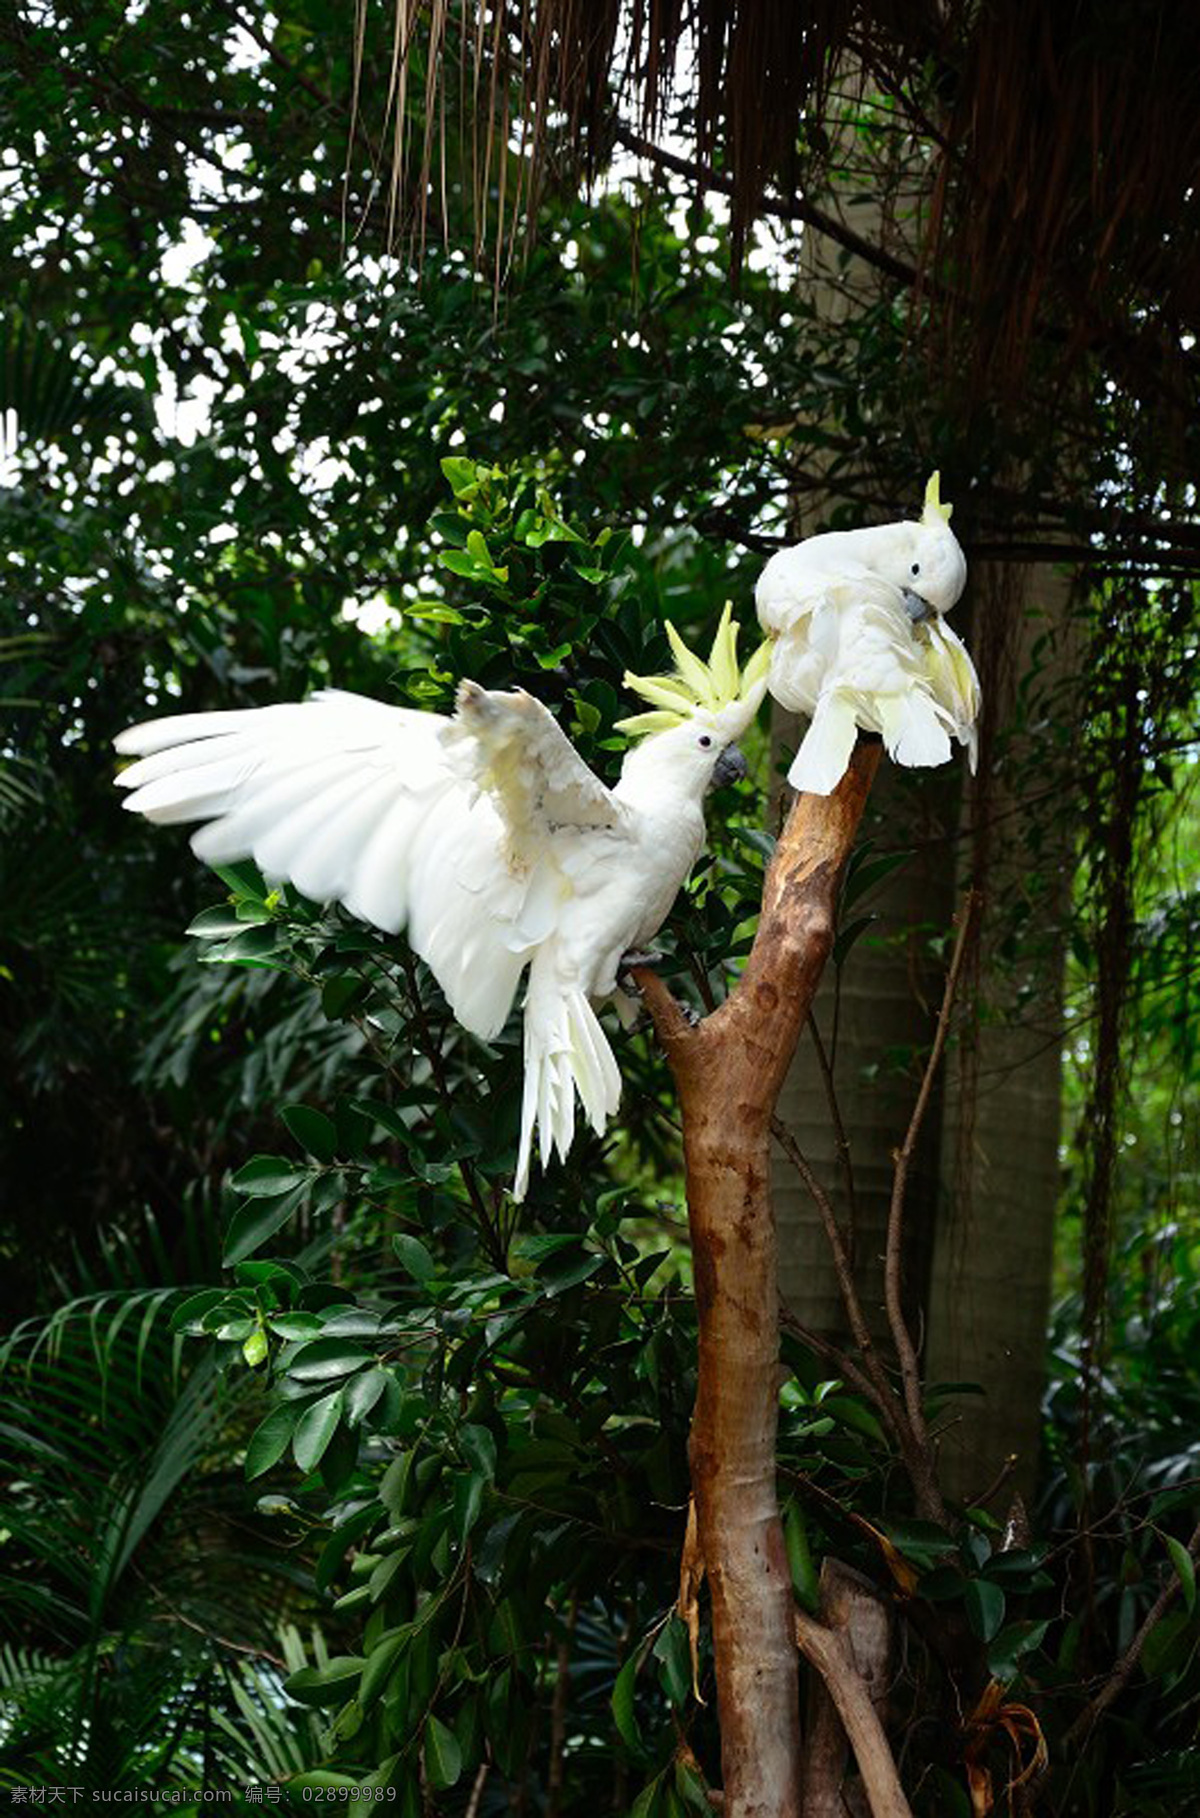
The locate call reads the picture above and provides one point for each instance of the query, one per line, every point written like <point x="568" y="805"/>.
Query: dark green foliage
<point x="423" y="1457"/>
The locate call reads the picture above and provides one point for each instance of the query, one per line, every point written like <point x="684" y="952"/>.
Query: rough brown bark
<point x="855" y="1632"/>
<point x="832" y="1655"/>
<point x="728" y="1071"/>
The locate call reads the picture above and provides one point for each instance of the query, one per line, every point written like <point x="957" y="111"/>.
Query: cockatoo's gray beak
<point x="730" y="767"/>
<point x="916" y="607"/>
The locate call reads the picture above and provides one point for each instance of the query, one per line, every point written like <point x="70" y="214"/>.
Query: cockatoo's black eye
<point x="705" y="742"/>
<point x="916" y="568"/>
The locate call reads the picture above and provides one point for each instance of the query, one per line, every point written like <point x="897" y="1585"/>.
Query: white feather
<point x="820" y="763"/>
<point x="486" y="837"/>
<point x="848" y="653"/>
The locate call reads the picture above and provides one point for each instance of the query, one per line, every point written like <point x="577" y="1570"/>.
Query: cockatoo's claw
<point x="626" y="967"/>
<point x="649" y="958"/>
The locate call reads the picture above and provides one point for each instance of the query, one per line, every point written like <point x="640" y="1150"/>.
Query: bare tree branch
<point x="829" y="1653"/>
<point x="1123" y="1672"/>
<point x="906" y="1351"/>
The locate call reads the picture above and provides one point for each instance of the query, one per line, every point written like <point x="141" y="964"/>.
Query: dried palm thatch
<point x="1060" y="145"/>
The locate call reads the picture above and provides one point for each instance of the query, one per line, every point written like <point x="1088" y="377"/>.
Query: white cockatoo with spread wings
<point x="486" y="837"/>
<point x="859" y="639"/>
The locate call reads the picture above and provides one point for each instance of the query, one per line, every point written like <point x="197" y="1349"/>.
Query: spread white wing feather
<point x="470" y="833"/>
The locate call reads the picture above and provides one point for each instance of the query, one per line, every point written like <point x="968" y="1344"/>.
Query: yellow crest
<point x="698" y="687"/>
<point x="935" y="512"/>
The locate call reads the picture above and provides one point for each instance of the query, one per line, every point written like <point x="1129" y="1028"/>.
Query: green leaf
<point x="380" y="1661"/>
<point x="327" y="1684"/>
<point x="1010" y="1644"/>
<point x="854" y="1414"/>
<point x="256" y="1221"/>
<point x="460" y="473"/>
<point x="985" y="1607"/>
<point x="325" y="1359"/>
<point x="265" y="1176"/>
<point x="848" y="936"/>
<point x="459" y="562"/>
<point x="413" y="1257"/>
<point x="1168" y="1645"/>
<point x="245" y="881"/>
<point x="216" y="923"/>
<point x="254" y="1348"/>
<point x="648" y="1800"/>
<point x="362" y="1392"/>
<point x="338" y="993"/>
<point x="801" y="1564"/>
<point x="323" y="1779"/>
<point x="943" y="1584"/>
<point x="691" y="1788"/>
<point x="479" y="1449"/>
<point x="295" y="1326"/>
<point x="673" y="1654"/>
<point x="189" y="1313"/>
<point x="1185" y="1566"/>
<point x="443" y="1757"/>
<point x="864" y="871"/>
<point x="312" y="1130"/>
<point x="622" y="1705"/>
<point x="316" y="1427"/>
<point x="254" y="946"/>
<point x="270" y="1439"/>
<point x="468" y="1500"/>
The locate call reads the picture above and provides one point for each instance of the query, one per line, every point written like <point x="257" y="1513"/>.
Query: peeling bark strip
<point x="729" y="1070"/>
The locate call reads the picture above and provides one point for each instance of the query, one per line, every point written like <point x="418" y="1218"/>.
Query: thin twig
<point x="558" y="1712"/>
<point x="797" y="210"/>
<point x="910" y="1374"/>
<point x="998" y="1482"/>
<point x="1123" y="1672"/>
<point x="477" y="1786"/>
<point x="825" y="1064"/>
<point x="845" y="1366"/>
<point x="882" y="1397"/>
<point x="223" y="1641"/>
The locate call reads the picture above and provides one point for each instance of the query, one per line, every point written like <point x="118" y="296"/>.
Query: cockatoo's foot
<point x="636" y="958"/>
<point x="626" y="966"/>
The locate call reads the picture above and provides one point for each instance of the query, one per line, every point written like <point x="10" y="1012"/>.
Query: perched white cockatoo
<point x="859" y="640"/>
<point x="485" y="835"/>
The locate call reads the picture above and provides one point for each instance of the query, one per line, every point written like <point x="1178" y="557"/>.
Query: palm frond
<point x="52" y="390"/>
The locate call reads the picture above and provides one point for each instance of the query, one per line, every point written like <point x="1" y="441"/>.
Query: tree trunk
<point x="728" y="1070"/>
<point x="989" y="1295"/>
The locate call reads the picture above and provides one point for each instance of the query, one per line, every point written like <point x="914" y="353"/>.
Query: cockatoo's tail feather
<point x="820" y="763"/>
<point x="566" y="1052"/>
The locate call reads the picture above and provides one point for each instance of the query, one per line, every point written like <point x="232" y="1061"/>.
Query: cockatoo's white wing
<point x="327" y="793"/>
<point x="798" y="582"/>
<point x="560" y="821"/>
<point x="469" y="831"/>
<point x="954" y="683"/>
<point x="356" y="802"/>
<point x="877" y="679"/>
<point x="512" y="746"/>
